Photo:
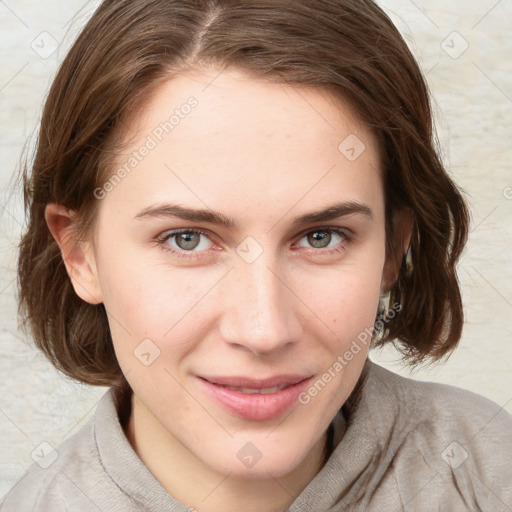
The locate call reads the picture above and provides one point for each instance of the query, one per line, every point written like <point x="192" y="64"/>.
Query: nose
<point x="260" y="310"/>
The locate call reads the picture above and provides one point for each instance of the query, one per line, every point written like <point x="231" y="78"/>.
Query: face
<point x="239" y="256"/>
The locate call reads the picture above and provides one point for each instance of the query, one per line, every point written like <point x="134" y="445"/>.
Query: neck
<point x="196" y="485"/>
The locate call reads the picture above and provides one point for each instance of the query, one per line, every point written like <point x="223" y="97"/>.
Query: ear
<point x="402" y="230"/>
<point x="78" y="255"/>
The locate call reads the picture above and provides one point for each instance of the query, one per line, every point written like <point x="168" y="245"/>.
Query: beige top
<point x="406" y="446"/>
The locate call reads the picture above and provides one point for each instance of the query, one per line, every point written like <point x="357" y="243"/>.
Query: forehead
<point x="225" y="139"/>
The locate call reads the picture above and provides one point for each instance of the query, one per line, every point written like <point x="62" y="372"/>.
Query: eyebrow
<point x="332" y="212"/>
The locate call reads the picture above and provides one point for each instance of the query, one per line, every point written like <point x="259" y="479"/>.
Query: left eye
<point x="322" y="238"/>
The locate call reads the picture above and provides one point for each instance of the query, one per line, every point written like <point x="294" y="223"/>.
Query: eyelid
<point x="345" y="231"/>
<point x="171" y="232"/>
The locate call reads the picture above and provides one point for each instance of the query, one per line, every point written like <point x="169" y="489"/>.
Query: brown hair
<point x="349" y="47"/>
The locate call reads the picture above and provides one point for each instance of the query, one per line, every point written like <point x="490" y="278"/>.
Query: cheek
<point x="350" y="315"/>
<point x="147" y="301"/>
<point x="345" y="298"/>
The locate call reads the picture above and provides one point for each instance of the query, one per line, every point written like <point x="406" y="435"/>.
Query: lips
<point x="255" y="399"/>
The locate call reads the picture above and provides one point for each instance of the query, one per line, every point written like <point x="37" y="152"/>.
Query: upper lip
<point x="269" y="382"/>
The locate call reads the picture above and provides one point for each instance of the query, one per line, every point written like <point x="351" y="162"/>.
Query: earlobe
<point x="78" y="255"/>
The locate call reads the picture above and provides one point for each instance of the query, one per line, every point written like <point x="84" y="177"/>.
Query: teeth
<point x="252" y="391"/>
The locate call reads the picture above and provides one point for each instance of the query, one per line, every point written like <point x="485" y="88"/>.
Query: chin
<point x="252" y="463"/>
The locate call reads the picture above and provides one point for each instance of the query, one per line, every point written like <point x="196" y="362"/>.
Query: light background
<point x="472" y="90"/>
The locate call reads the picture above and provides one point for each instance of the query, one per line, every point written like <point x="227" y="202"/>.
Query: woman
<point x="230" y="203"/>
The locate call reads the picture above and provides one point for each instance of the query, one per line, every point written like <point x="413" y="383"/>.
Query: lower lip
<point x="256" y="406"/>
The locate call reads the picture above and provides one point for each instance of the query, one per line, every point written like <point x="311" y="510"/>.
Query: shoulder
<point x="48" y="479"/>
<point x="450" y="440"/>
<point x="446" y="407"/>
<point x="67" y="478"/>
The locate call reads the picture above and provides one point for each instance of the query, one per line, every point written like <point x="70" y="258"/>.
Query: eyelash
<point x="340" y="247"/>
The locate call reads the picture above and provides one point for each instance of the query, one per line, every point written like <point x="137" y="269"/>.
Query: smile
<point x="255" y="400"/>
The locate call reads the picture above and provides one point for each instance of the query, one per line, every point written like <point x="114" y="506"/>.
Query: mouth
<point x="255" y="399"/>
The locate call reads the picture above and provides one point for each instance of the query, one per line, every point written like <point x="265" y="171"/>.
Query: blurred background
<point x="464" y="49"/>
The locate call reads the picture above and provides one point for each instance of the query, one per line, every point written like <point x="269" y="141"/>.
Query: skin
<point x="261" y="154"/>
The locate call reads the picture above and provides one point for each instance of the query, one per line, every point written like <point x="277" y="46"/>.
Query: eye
<point x="193" y="243"/>
<point x="326" y="240"/>
<point x="183" y="241"/>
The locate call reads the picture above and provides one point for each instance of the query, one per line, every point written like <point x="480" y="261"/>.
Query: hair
<point x="348" y="47"/>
